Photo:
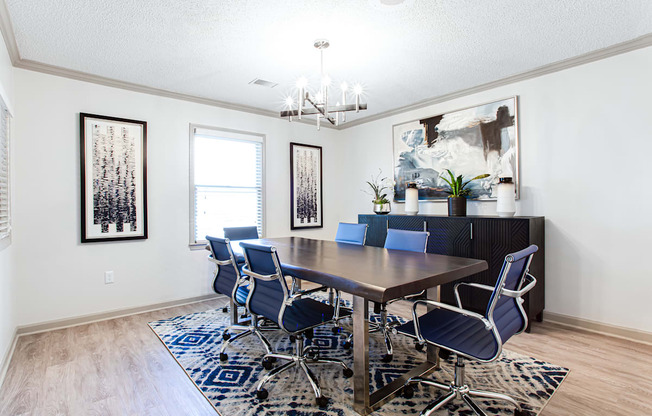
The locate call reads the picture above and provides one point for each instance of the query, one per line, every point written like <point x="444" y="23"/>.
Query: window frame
<point x="229" y="134"/>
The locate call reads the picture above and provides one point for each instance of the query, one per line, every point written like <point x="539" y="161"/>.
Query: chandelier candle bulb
<point x="506" y="202"/>
<point x="411" y="199"/>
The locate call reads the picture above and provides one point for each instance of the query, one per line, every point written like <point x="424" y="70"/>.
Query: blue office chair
<point x="228" y="281"/>
<point x="241" y="233"/>
<point x="351" y="233"/>
<point x="396" y="240"/>
<point x="471" y="335"/>
<point x="295" y="314"/>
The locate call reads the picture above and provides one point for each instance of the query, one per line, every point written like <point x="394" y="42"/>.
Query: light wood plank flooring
<point x="119" y="367"/>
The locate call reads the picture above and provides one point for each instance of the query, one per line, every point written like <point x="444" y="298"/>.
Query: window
<point x="226" y="174"/>
<point x="5" y="223"/>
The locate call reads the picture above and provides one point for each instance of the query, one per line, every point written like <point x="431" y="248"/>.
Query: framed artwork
<point x="113" y="178"/>
<point x="469" y="142"/>
<point x="305" y="187"/>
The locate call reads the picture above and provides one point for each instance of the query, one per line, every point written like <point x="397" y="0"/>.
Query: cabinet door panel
<point x="450" y="237"/>
<point x="411" y="223"/>
<point x="377" y="229"/>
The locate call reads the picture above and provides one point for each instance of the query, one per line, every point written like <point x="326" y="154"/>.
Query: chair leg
<point x="263" y="340"/>
<point x="236" y="337"/>
<point x="437" y="404"/>
<point x="473" y="405"/>
<point x="494" y="396"/>
<point x="311" y="378"/>
<point x="274" y="372"/>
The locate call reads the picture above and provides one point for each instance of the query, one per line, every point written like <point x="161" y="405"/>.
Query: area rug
<point x="194" y="341"/>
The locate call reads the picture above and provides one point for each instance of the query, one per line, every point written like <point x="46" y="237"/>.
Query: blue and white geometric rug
<point x="194" y="341"/>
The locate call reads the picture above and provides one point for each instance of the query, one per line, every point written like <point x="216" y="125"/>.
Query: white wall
<point x="585" y="149"/>
<point x="7" y="276"/>
<point x="58" y="276"/>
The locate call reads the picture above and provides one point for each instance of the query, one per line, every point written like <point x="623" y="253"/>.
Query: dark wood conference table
<point x="369" y="274"/>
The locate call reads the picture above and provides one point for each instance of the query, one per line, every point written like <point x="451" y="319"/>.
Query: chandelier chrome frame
<point x="334" y="114"/>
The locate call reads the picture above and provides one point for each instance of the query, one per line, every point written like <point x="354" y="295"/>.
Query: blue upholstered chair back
<point x="351" y="233"/>
<point x="406" y="240"/>
<point x="268" y="290"/>
<point x="507" y="312"/>
<point x="227" y="275"/>
<point x="241" y="233"/>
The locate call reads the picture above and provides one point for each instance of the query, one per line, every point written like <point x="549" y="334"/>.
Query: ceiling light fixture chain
<point x="334" y="114"/>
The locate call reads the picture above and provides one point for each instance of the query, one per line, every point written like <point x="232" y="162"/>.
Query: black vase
<point x="457" y="206"/>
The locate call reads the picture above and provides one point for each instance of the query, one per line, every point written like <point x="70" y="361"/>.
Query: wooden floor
<point x="119" y="367"/>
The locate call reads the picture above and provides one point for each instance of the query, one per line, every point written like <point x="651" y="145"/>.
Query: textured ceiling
<point x="404" y="54"/>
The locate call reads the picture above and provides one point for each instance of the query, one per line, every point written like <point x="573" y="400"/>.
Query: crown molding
<point x="613" y="50"/>
<point x="7" y="31"/>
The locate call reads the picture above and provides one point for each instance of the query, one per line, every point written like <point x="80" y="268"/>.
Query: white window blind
<point x="227" y="182"/>
<point x="5" y="223"/>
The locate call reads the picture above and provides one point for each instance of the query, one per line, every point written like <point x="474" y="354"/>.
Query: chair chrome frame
<point x="253" y="327"/>
<point x="303" y="355"/>
<point x="459" y="388"/>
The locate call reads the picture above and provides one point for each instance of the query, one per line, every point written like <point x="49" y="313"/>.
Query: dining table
<point x="369" y="274"/>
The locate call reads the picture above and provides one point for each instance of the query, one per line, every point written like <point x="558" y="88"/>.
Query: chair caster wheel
<point x="347" y="373"/>
<point x="408" y="392"/>
<point x="312" y="353"/>
<point x="444" y="354"/>
<point x="225" y="309"/>
<point x="223" y="357"/>
<point x="226" y="336"/>
<point x="419" y="347"/>
<point x="261" y="394"/>
<point x="346" y="345"/>
<point x="335" y="330"/>
<point x="387" y="358"/>
<point x="322" y="401"/>
<point x="293" y="338"/>
<point x="267" y="363"/>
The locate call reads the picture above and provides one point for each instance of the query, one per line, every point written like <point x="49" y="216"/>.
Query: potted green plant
<point x="458" y="193"/>
<point x="377" y="185"/>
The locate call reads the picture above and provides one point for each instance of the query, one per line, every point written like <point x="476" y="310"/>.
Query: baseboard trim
<point x="103" y="316"/>
<point x="599" y="327"/>
<point x="7" y="358"/>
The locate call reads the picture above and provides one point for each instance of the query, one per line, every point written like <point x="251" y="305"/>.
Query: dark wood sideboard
<point x="480" y="237"/>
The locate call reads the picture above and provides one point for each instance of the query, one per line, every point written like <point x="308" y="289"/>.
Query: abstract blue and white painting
<point x="469" y="142"/>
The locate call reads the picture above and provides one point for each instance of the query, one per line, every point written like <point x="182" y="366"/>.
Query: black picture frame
<point x="113" y="166"/>
<point x="306" y="187"/>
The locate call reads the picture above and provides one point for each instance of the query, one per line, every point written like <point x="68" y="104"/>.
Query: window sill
<point x="197" y="246"/>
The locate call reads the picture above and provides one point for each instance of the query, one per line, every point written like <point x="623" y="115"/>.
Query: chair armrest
<point x="299" y="295"/>
<point x="218" y="262"/>
<point x="476" y="285"/>
<point x="415" y="318"/>
<point x="523" y="291"/>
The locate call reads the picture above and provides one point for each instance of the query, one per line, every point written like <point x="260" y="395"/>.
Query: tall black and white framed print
<point x="305" y="186"/>
<point x="113" y="178"/>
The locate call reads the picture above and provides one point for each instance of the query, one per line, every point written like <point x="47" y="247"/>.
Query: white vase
<point x="411" y="199"/>
<point x="506" y="203"/>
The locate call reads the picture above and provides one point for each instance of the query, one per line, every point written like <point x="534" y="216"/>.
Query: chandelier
<point x="319" y="103"/>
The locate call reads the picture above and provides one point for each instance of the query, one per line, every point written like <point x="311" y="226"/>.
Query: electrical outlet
<point x="108" y="277"/>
